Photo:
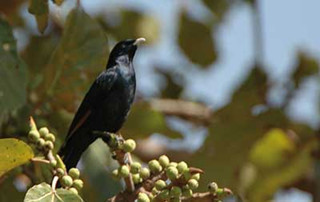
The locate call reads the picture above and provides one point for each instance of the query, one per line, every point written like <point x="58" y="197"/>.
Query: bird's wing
<point x="94" y="96"/>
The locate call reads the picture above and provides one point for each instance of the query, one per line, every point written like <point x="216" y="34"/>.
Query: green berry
<point x="173" y="164"/>
<point x="73" y="190"/>
<point x="48" y="145"/>
<point x="182" y="167"/>
<point x="145" y="173"/>
<point x="172" y="173"/>
<point x="135" y="167"/>
<point x="50" y="137"/>
<point x="34" y="136"/>
<point x="187" y="193"/>
<point x="40" y="143"/>
<point x="164" y="160"/>
<point x="160" y="184"/>
<point x="175" y="192"/>
<point x="115" y="174"/>
<point x="124" y="171"/>
<point x="154" y="191"/>
<point x="129" y="145"/>
<point x="164" y="194"/>
<point x="43" y="131"/>
<point x="78" y="184"/>
<point x="136" y="178"/>
<point x="196" y="176"/>
<point x="53" y="163"/>
<point x="142" y="197"/>
<point x="155" y="166"/>
<point x="213" y="187"/>
<point x="74" y="173"/>
<point x="66" y="181"/>
<point x="193" y="184"/>
<point x="60" y="172"/>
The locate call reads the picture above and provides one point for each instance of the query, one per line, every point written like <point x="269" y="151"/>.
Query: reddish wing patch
<point x="79" y="124"/>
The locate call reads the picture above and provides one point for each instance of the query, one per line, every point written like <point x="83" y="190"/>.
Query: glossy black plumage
<point x="106" y="104"/>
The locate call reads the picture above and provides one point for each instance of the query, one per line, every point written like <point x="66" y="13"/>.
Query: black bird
<point x="106" y="105"/>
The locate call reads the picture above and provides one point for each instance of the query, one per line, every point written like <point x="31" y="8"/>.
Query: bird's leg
<point x="111" y="139"/>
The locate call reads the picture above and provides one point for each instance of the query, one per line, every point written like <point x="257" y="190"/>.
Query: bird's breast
<point x="116" y="105"/>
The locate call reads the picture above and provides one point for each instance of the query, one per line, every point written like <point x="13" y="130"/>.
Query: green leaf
<point x="12" y="72"/>
<point x="272" y="149"/>
<point x="295" y="167"/>
<point x="40" y="9"/>
<point x="196" y="41"/>
<point x="306" y="66"/>
<point x="43" y="192"/>
<point x="79" y="57"/>
<point x="37" y="60"/>
<point x="13" y="153"/>
<point x="144" y="121"/>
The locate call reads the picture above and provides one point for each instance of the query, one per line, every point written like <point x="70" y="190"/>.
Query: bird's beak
<point x="138" y="41"/>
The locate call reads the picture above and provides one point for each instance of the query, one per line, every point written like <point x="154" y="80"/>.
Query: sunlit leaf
<point x="13" y="153"/>
<point x="12" y="72"/>
<point x="78" y="59"/>
<point x="272" y="150"/>
<point x="143" y="121"/>
<point x="196" y="41"/>
<point x="268" y="182"/>
<point x="43" y="192"/>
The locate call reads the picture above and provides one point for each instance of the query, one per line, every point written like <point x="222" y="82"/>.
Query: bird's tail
<point x="72" y="150"/>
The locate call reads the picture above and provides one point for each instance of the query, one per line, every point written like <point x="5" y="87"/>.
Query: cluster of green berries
<point x="42" y="138"/>
<point x="178" y="181"/>
<point x="70" y="180"/>
<point x="44" y="141"/>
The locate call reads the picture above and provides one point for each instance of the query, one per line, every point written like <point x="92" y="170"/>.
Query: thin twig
<point x="54" y="183"/>
<point x="40" y="160"/>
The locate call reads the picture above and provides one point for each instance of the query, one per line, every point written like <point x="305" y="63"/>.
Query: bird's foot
<point x="111" y="139"/>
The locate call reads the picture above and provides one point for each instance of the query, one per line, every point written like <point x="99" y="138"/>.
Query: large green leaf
<point x="79" y="57"/>
<point x="43" y="192"/>
<point x="13" y="153"/>
<point x="196" y="41"/>
<point x="289" y="170"/>
<point x="37" y="60"/>
<point x="12" y="72"/>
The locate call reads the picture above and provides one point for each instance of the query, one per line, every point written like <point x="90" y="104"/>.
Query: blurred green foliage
<point x="254" y="154"/>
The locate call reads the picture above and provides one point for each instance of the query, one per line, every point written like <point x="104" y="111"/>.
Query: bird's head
<point x="125" y="48"/>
